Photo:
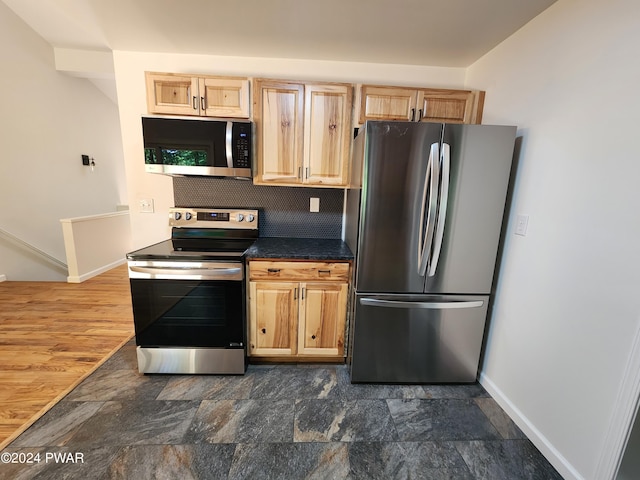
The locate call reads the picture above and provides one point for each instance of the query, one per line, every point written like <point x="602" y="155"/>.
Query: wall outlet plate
<point x="145" y="205"/>
<point x="522" y="222"/>
<point x="85" y="160"/>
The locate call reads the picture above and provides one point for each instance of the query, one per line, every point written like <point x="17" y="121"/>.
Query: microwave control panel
<point x="242" y="143"/>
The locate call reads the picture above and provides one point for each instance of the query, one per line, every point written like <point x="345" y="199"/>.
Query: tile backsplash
<point x="284" y="211"/>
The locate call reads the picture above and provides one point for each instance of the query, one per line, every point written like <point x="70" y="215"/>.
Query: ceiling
<point x="447" y="33"/>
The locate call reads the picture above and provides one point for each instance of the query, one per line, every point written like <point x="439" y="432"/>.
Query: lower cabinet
<point x="296" y="319"/>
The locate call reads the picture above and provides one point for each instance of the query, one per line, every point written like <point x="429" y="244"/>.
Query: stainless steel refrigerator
<point x="424" y="220"/>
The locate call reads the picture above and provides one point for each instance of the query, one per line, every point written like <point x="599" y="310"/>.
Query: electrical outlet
<point x="522" y="222"/>
<point x="145" y="205"/>
<point x="314" y="204"/>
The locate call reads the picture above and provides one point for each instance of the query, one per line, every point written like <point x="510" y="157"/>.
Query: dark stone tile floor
<point x="275" y="422"/>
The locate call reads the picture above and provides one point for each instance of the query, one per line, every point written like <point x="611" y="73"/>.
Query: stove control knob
<point x="177" y="215"/>
<point x="187" y="216"/>
<point x="250" y="218"/>
<point x="240" y="217"/>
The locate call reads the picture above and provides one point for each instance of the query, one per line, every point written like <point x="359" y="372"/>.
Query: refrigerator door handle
<point x="442" y="209"/>
<point x="376" y="302"/>
<point x="427" y="231"/>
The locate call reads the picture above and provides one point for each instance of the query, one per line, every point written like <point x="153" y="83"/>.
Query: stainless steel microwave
<point x="179" y="146"/>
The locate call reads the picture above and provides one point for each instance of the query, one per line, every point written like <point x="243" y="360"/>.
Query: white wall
<point x="567" y="307"/>
<point x="48" y="121"/>
<point x="130" y="67"/>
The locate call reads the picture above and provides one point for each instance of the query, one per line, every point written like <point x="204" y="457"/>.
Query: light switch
<point x="522" y="222"/>
<point x="314" y="204"/>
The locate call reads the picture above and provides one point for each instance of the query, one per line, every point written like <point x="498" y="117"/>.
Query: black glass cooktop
<point x="174" y="250"/>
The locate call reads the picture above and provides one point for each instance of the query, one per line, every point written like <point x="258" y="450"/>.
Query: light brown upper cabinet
<point x="420" y="104"/>
<point x="303" y="132"/>
<point x="201" y="95"/>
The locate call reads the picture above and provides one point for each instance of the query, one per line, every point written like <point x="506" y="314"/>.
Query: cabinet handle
<point x="264" y="330"/>
<point x="324" y="272"/>
<point x="413" y="114"/>
<point x="203" y="107"/>
<point x="419" y="114"/>
<point x="273" y="271"/>
<point x="195" y="105"/>
<point x="313" y="337"/>
<point x="295" y="293"/>
<point x="300" y="172"/>
<point x="306" y="172"/>
<point x="303" y="293"/>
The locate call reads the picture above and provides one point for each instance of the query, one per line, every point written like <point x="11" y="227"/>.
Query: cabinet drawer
<point x="303" y="271"/>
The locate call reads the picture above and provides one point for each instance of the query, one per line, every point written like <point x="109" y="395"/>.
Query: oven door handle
<point x="186" y="273"/>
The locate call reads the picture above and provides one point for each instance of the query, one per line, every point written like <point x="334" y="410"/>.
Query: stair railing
<point x="27" y="246"/>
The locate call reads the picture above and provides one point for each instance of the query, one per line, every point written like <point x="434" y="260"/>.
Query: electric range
<point x="189" y="293"/>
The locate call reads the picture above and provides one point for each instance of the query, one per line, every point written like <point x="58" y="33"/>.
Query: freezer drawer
<point x="417" y="338"/>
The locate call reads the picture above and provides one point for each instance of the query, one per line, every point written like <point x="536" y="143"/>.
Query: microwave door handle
<point x="442" y="209"/>
<point x="228" y="141"/>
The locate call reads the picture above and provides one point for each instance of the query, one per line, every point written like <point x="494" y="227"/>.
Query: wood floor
<point x="52" y="336"/>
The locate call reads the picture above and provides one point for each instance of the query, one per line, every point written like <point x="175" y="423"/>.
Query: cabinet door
<point x="278" y="115"/>
<point x="273" y="318"/>
<point x="173" y="94"/>
<point x="450" y="106"/>
<point x="323" y="312"/>
<point x="327" y="129"/>
<point x="387" y="103"/>
<point x="225" y="97"/>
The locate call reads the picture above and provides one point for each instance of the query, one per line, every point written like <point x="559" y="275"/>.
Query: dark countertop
<point x="299" y="248"/>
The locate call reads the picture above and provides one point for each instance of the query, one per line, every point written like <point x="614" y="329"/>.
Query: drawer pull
<point x="264" y="330"/>
<point x="313" y="337"/>
<point x="324" y="272"/>
<point x="273" y="270"/>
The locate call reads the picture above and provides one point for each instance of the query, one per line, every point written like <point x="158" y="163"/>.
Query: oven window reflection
<point x="188" y="313"/>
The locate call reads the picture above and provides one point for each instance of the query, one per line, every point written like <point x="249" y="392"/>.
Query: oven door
<point x="188" y="304"/>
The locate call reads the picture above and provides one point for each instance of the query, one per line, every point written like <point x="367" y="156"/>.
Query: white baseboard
<point x="560" y="463"/>
<point x="93" y="273"/>
<point x="3" y="278"/>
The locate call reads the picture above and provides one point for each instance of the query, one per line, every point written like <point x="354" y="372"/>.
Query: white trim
<point x="624" y="413"/>
<point x="94" y="217"/>
<point x="93" y="273"/>
<point x="556" y="459"/>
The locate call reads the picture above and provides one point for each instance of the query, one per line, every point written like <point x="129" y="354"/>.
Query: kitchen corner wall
<point x="281" y="203"/>
<point x="284" y="211"/>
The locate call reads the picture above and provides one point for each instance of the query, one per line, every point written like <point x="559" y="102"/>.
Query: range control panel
<point x="245" y="219"/>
